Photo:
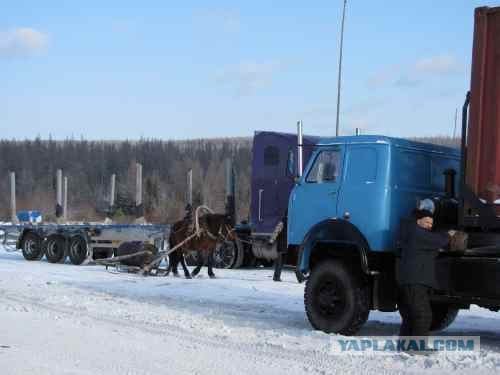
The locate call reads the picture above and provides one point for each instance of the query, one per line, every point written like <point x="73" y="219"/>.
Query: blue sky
<point x="191" y="69"/>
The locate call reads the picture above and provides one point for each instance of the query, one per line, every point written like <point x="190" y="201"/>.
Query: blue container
<point x="33" y="217"/>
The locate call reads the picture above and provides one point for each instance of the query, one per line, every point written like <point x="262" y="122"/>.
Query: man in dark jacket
<point x="416" y="272"/>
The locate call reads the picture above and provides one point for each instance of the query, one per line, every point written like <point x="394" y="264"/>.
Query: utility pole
<point x="339" y="81"/>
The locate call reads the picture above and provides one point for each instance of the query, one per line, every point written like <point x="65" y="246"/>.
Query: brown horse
<point x="213" y="228"/>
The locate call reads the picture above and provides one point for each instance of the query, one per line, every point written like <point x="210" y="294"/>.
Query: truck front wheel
<point x="335" y="299"/>
<point x="442" y="316"/>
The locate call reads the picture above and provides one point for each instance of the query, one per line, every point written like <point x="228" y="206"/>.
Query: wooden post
<point x="13" y="209"/>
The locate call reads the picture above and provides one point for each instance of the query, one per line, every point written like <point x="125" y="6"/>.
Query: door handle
<point x="261" y="191"/>
<point x="333" y="192"/>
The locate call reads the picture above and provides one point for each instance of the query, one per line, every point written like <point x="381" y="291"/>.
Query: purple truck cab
<point x="274" y="166"/>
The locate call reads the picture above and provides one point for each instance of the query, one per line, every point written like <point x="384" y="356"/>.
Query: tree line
<point x="90" y="164"/>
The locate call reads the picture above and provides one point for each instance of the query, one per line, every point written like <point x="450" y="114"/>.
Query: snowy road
<point x="62" y="319"/>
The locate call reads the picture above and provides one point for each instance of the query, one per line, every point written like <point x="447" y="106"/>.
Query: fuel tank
<point x="483" y="139"/>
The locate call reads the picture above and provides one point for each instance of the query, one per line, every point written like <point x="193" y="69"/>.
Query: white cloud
<point x="436" y="65"/>
<point x="22" y="41"/>
<point x="411" y="75"/>
<point x="249" y="77"/>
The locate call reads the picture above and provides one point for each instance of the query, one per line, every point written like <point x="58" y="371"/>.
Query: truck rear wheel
<point x="443" y="315"/>
<point x="77" y="250"/>
<point x="31" y="245"/>
<point x="55" y="249"/>
<point x="335" y="299"/>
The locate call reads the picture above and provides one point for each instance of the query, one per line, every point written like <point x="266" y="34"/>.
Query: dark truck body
<point x="273" y="156"/>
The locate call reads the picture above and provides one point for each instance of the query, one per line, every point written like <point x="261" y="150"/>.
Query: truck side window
<point x="325" y="168"/>
<point x="271" y="155"/>
<point x="362" y="165"/>
<point x="414" y="170"/>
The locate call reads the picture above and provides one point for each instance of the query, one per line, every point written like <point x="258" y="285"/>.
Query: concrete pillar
<point x="65" y="199"/>
<point x="112" y="192"/>
<point x="13" y="208"/>
<point x="59" y="194"/>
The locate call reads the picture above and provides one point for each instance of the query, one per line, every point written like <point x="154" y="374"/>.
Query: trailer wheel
<point x="55" y="249"/>
<point x="77" y="250"/>
<point x="31" y="245"/>
<point x="225" y="255"/>
<point x="335" y="299"/>
<point x="443" y="315"/>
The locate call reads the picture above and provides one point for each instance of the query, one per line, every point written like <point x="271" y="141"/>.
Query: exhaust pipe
<point x="299" y="148"/>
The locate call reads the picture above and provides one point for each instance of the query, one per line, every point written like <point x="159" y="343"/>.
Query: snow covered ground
<point x="64" y="319"/>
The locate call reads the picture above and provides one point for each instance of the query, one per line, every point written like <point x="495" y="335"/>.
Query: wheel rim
<point x="330" y="298"/>
<point x="52" y="249"/>
<point x="75" y="249"/>
<point x="225" y="255"/>
<point x="30" y="247"/>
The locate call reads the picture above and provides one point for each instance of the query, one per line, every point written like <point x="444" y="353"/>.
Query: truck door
<point x="316" y="198"/>
<point x="270" y="184"/>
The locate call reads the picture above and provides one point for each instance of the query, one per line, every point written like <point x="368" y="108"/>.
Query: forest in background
<point x="89" y="165"/>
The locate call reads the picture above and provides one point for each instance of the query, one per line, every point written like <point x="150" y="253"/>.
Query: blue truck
<point x="344" y="216"/>
<point x="347" y="207"/>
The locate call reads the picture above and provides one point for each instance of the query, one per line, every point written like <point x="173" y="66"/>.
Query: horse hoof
<point x="188" y="277"/>
<point x="211" y="276"/>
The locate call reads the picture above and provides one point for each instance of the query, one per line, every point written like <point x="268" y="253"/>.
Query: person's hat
<point x="425" y="208"/>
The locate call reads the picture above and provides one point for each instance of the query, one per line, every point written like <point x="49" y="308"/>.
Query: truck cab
<point x="344" y="216"/>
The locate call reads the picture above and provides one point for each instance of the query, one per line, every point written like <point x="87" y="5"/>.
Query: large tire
<point x="335" y="298"/>
<point x="31" y="245"/>
<point x="102" y="253"/>
<point x="77" y="250"/>
<point x="225" y="255"/>
<point x="132" y="247"/>
<point x="55" y="249"/>
<point x="443" y="315"/>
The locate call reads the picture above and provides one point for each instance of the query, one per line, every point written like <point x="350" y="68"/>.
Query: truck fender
<point x="330" y="231"/>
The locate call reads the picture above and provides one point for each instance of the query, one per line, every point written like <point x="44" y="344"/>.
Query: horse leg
<point x="210" y="264"/>
<point x="175" y="263"/>
<point x="196" y="271"/>
<point x="184" y="267"/>
<point x="169" y="268"/>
